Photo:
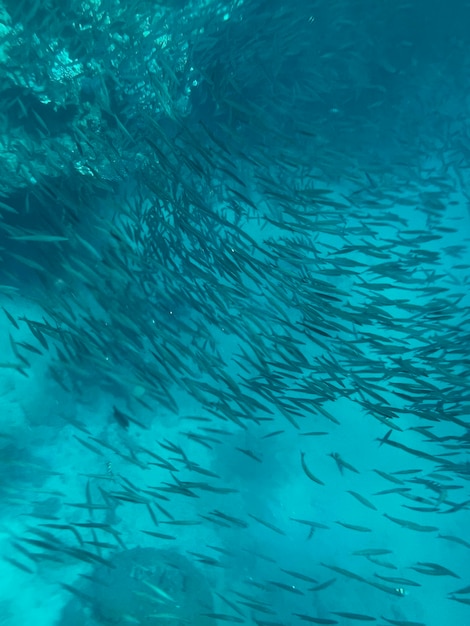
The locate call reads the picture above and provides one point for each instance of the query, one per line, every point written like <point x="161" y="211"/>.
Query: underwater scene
<point x="234" y="312"/>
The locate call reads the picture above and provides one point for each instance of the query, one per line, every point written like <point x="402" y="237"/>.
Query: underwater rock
<point x="145" y="586"/>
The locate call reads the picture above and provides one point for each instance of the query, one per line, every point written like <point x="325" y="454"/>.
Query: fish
<point x="411" y="525"/>
<point x="39" y="237"/>
<point x="11" y="319"/>
<point x="159" y="591"/>
<point x="232" y="520"/>
<point x="286" y="587"/>
<point x="399" y="581"/>
<point x="18" y="564"/>
<point x="299" y="575"/>
<point x="402" y="622"/>
<point x="277" y="530"/>
<point x="342" y="464"/>
<point x="461" y="600"/>
<point x="250" y="454"/>
<point x="245" y="266"/>
<point x="344" y="572"/>
<point x="323" y="585"/>
<point x="310" y="523"/>
<point x="307" y="471"/>
<point x="361" y="617"/>
<point x="87" y="599"/>
<point x="89" y="446"/>
<point x="315" y="620"/>
<point x="372" y="552"/>
<point x="433" y="569"/>
<point x="230" y="604"/>
<point x="363" y="500"/>
<point x="362" y="529"/>
<point x="224" y="617"/>
<point x="458" y="540"/>
<point x="463" y="590"/>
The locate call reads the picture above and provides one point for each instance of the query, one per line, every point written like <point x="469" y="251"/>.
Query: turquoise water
<point x="234" y="347"/>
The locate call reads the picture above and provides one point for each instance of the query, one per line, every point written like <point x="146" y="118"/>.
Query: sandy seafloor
<point x="43" y="469"/>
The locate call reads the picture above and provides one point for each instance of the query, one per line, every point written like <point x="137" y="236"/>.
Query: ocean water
<point x="235" y="331"/>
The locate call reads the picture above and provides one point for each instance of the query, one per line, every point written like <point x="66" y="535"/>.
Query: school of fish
<point x="234" y="258"/>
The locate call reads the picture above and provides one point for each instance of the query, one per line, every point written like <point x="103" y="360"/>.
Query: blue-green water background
<point x="261" y="225"/>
